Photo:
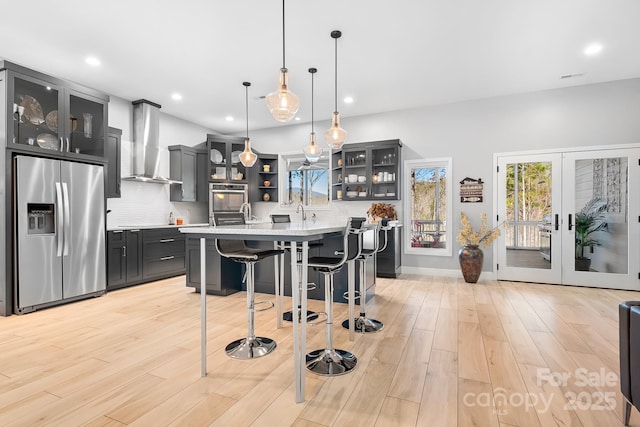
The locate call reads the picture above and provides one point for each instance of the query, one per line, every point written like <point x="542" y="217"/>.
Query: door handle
<point x="59" y="220"/>
<point x="557" y="225"/>
<point x="61" y="144"/>
<point x="124" y="251"/>
<point x="67" y="219"/>
<point x="68" y="145"/>
<point x="570" y="224"/>
<point x="167" y="240"/>
<point x="167" y="258"/>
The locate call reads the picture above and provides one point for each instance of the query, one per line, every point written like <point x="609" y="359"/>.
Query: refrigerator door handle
<point x="67" y="219"/>
<point x="59" y="219"/>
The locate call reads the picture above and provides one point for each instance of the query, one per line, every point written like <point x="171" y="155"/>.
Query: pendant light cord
<point x="283" y="38"/>
<point x="336" y="76"/>
<point x="246" y="104"/>
<point x="312" y="130"/>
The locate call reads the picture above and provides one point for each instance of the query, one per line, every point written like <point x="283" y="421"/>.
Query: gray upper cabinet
<point x="53" y="117"/>
<point x="183" y="167"/>
<point x="224" y="155"/>
<point x="112" y="152"/>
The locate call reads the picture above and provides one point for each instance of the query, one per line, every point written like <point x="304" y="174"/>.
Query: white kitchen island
<point x="294" y="234"/>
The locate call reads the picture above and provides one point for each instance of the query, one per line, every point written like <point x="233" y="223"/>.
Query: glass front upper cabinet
<point x="49" y="116"/>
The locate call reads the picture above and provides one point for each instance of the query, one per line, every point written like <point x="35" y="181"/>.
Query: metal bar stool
<point x="288" y="315"/>
<point x="250" y="347"/>
<point x="362" y="323"/>
<point x="329" y="361"/>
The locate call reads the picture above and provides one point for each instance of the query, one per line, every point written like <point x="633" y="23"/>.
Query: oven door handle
<point x="557" y="224"/>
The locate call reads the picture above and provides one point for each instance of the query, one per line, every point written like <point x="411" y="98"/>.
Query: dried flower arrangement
<point x="468" y="237"/>
<point x="382" y="210"/>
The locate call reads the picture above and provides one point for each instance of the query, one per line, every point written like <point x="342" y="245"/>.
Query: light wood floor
<point x="488" y="354"/>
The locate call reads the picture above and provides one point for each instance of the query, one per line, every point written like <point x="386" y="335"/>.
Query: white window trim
<point x="428" y="163"/>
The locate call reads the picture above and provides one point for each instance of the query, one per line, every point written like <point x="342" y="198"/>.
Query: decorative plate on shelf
<point x="48" y="141"/>
<point x="235" y="156"/>
<point x="52" y="121"/>
<point x="32" y="110"/>
<point x="216" y="156"/>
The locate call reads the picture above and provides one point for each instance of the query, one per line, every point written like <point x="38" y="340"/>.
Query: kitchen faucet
<point x="304" y="215"/>
<point x="247" y="211"/>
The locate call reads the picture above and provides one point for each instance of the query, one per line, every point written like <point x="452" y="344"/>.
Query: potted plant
<point x="471" y="256"/>
<point x="590" y="219"/>
<point x="382" y="210"/>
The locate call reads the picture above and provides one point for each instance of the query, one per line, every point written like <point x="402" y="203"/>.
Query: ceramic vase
<point x="471" y="259"/>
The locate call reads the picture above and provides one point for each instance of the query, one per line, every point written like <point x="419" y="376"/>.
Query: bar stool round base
<point x="331" y="363"/>
<point x="287" y="316"/>
<point x="250" y="348"/>
<point x="365" y="325"/>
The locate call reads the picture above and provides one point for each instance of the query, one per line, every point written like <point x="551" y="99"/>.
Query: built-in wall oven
<point x="226" y="198"/>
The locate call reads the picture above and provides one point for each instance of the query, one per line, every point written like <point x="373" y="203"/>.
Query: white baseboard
<point x="488" y="275"/>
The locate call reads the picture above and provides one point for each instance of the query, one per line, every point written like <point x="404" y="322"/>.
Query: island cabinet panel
<point x="224" y="276"/>
<point x="264" y="273"/>
<point x="389" y="260"/>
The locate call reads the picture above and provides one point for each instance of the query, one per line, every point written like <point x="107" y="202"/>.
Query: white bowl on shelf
<point x="362" y="194"/>
<point x="362" y="178"/>
<point x="391" y="194"/>
<point x="352" y="193"/>
<point x="353" y="178"/>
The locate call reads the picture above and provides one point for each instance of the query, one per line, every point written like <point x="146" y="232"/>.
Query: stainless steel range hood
<point x="146" y="144"/>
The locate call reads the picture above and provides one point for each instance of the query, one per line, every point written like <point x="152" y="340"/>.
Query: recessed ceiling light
<point x="176" y="96"/>
<point x="593" y="49"/>
<point x="229" y="118"/>
<point x="348" y="99"/>
<point x="92" y="60"/>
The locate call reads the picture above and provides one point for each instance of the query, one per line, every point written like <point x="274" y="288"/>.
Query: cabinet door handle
<point x="570" y="224"/>
<point x="117" y="231"/>
<point x="167" y="258"/>
<point x="557" y="225"/>
<point x="167" y="240"/>
<point x="124" y="251"/>
<point x="134" y="231"/>
<point x="61" y="144"/>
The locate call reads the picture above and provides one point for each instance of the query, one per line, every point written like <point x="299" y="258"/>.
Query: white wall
<point x="471" y="132"/>
<point x="144" y="203"/>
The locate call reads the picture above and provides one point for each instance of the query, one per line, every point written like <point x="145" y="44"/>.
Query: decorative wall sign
<point x="471" y="190"/>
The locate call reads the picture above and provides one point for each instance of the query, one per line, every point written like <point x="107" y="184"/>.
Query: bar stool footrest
<point x="287" y="316"/>
<point x="269" y="305"/>
<point x="250" y="348"/>
<point x="356" y="295"/>
<point x="365" y="325"/>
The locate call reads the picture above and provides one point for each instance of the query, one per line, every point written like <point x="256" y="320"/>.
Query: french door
<point x="572" y="218"/>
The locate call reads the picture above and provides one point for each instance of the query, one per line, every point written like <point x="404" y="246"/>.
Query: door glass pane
<point x="601" y="218"/>
<point x="35" y="115"/>
<point x="528" y="207"/>
<point x="86" y="126"/>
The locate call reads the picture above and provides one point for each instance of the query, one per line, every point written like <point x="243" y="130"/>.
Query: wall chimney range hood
<point x="146" y="144"/>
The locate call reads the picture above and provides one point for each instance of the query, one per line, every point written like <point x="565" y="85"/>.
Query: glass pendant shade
<point x="248" y="157"/>
<point x="282" y="103"/>
<point x="335" y="135"/>
<point x="312" y="152"/>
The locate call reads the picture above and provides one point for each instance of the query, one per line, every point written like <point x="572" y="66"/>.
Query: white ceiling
<point x="392" y="55"/>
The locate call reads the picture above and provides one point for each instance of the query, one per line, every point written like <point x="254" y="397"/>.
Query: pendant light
<point x="312" y="152"/>
<point x="247" y="157"/>
<point x="282" y="103"/>
<point x="335" y="135"/>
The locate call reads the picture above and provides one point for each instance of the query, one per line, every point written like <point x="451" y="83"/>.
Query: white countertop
<point x="150" y="226"/>
<point x="299" y="229"/>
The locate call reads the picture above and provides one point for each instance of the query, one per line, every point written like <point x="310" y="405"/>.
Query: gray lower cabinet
<point x="124" y="258"/>
<point x="388" y="261"/>
<point x="224" y="276"/>
<point x="163" y="253"/>
<point x="138" y="256"/>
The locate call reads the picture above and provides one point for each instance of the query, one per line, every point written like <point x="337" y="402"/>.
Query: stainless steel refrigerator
<point x="60" y="232"/>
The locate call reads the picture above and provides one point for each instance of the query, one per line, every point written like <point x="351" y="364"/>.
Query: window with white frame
<point x="428" y="206"/>
<point x="305" y="183"/>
